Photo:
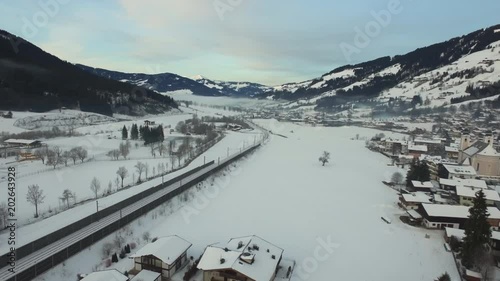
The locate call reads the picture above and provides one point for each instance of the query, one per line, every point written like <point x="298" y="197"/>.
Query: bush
<point x="106" y="249"/>
<point x="146" y="236"/>
<point x="114" y="258"/>
<point x="127" y="249"/>
<point x="107" y="263"/>
<point x="122" y="254"/>
<point x="455" y="244"/>
<point x="132" y="245"/>
<point x="191" y="271"/>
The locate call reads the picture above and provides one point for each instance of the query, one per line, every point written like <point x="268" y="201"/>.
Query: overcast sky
<point x="270" y="42"/>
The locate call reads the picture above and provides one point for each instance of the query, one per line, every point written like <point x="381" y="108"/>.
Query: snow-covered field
<point x="98" y="140"/>
<point x="283" y="194"/>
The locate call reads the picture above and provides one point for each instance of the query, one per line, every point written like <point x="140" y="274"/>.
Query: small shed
<point x="104" y="275"/>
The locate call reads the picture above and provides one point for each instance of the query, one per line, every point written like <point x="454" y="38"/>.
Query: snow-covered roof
<point x="460" y="170"/>
<point x="495" y="235"/>
<point x="489" y="151"/>
<point x="105" y="275"/>
<point x="473" y="274"/>
<point x="167" y="249"/>
<point x="21" y="141"/>
<point x="425" y="184"/>
<point x="450" y="149"/>
<point x="417" y="197"/>
<point x="459" y="233"/>
<point x="251" y="256"/>
<point x="475" y="183"/>
<point x="471" y="192"/>
<point x="455" y="211"/>
<point x="414" y="214"/>
<point x="433" y="141"/>
<point x="146" y="275"/>
<point x="421" y="148"/>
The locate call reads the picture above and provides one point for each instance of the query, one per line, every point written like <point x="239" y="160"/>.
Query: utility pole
<point x="97" y="206"/>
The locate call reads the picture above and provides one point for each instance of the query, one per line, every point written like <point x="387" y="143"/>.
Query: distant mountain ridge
<point x="438" y="64"/>
<point x="162" y="82"/>
<point x="234" y="89"/>
<point x="32" y="79"/>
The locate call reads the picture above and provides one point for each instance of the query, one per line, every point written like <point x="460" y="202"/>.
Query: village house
<point x="148" y="123"/>
<point x="481" y="155"/>
<point x="416" y="150"/>
<point x="426" y="186"/>
<point x="433" y="164"/>
<point x="411" y="201"/>
<point x="451" y="153"/>
<point x="465" y="195"/>
<point x="457" y="171"/>
<point x="166" y="255"/>
<point x="247" y="258"/>
<point x="433" y="146"/>
<point x="453" y="216"/>
<point x="23" y="143"/>
<point x="105" y="275"/>
<point x="451" y="184"/>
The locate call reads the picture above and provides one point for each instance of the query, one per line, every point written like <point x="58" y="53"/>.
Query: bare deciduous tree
<point x="95" y="186"/>
<point x="397" y="178"/>
<point x="122" y="173"/>
<point x="66" y="155"/>
<point x="41" y="154"/>
<point x="140" y="167"/>
<point x="81" y="153"/>
<point x="35" y="196"/>
<point x="146" y="170"/>
<point x="73" y="154"/>
<point x="67" y="194"/>
<point x="53" y="159"/>
<point x="324" y="158"/>
<point x="124" y="149"/>
<point x="117" y="183"/>
<point x="114" y="154"/>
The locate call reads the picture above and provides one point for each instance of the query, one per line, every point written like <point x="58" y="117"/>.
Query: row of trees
<point x="56" y="156"/>
<point x="35" y="196"/>
<point x="145" y="133"/>
<point x="123" y="150"/>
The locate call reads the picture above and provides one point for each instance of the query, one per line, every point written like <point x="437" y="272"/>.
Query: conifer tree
<point x="124" y="133"/>
<point x="477" y="232"/>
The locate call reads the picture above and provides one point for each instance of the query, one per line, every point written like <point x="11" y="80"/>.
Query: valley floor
<point x="283" y="194"/>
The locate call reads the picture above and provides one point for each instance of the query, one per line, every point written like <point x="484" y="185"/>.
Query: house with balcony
<point x="166" y="255"/>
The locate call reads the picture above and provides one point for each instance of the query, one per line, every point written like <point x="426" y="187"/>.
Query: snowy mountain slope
<point x="470" y="58"/>
<point x="32" y="79"/>
<point x="235" y="89"/>
<point x="440" y="86"/>
<point x="162" y="82"/>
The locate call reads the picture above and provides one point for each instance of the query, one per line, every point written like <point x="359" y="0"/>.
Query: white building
<point x="248" y="258"/>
